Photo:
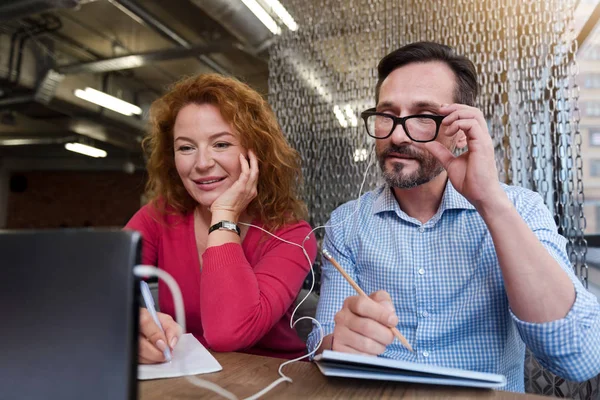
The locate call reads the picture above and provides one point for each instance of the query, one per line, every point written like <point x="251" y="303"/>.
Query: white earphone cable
<point x="146" y="270"/>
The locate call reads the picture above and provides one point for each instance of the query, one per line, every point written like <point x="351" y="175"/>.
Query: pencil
<point x="394" y="330"/>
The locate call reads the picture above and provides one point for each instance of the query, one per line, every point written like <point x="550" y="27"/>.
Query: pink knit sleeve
<point x="240" y="303"/>
<point x="143" y="222"/>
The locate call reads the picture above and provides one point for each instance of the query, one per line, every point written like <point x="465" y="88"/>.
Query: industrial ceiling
<point x="130" y="49"/>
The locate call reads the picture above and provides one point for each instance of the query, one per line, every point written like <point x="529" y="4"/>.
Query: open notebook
<point x="333" y="363"/>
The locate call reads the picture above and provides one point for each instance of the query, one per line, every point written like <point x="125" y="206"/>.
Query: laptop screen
<point x="69" y="314"/>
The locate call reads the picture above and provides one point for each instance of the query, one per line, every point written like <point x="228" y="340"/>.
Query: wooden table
<point x="245" y="375"/>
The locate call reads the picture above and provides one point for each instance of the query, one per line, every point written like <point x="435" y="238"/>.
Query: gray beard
<point x="421" y="176"/>
<point x="428" y="169"/>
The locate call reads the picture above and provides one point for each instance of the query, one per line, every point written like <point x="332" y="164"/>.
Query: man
<point x="468" y="269"/>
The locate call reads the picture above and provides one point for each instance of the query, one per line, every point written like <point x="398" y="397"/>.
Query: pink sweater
<point x="243" y="297"/>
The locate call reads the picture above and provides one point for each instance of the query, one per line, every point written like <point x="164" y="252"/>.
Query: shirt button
<point x="425" y="353"/>
<point x="421" y="271"/>
<point x="421" y="229"/>
<point x="425" y="314"/>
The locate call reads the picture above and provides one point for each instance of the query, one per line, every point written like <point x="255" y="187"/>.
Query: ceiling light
<point x="107" y="101"/>
<point x="350" y="115"/>
<point x="283" y="14"/>
<point x="127" y="12"/>
<point x="340" y="116"/>
<point x="85" y="149"/>
<point x="360" y="155"/>
<point x="263" y="16"/>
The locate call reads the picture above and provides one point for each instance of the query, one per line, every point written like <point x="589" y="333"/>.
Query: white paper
<point x="189" y="357"/>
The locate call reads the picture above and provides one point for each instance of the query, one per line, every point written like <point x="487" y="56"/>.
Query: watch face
<point x="229" y="225"/>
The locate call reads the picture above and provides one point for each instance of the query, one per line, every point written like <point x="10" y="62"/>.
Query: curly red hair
<point x="280" y="178"/>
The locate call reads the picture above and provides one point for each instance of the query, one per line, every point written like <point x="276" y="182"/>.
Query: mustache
<point x="402" y="150"/>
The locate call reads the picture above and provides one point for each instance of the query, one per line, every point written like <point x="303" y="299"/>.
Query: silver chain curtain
<point x="324" y="74"/>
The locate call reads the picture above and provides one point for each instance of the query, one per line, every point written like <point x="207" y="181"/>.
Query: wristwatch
<point x="227" y="225"/>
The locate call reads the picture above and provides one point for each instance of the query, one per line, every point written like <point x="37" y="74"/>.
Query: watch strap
<point x="227" y="225"/>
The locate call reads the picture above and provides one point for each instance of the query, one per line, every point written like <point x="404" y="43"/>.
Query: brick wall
<point x="53" y="199"/>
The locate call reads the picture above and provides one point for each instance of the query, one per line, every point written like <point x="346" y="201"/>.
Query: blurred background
<point x="77" y="78"/>
<point x="53" y="53"/>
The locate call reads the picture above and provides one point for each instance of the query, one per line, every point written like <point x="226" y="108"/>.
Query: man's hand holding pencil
<point x="366" y="324"/>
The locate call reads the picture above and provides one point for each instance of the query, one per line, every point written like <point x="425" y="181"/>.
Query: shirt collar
<point x="451" y="199"/>
<point x="454" y="200"/>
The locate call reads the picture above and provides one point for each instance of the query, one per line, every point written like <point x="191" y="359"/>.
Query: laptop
<point x="69" y="314"/>
<point x="333" y="363"/>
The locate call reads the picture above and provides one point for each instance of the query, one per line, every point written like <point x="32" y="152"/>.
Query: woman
<point x="218" y="158"/>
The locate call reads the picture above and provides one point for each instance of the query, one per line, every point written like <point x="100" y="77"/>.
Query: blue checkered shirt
<point x="447" y="287"/>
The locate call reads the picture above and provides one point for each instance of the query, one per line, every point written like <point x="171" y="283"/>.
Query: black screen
<point x="69" y="314"/>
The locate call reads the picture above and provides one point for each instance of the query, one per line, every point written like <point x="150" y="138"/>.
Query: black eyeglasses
<point x="419" y="128"/>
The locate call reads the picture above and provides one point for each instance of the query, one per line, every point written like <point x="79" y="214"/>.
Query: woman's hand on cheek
<point x="234" y="201"/>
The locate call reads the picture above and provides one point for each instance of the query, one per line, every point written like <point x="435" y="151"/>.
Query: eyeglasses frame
<point x="402" y="121"/>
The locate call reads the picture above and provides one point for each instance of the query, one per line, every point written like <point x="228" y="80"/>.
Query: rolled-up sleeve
<point x="569" y="347"/>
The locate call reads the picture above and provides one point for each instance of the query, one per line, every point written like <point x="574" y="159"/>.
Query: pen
<point x="337" y="266"/>
<point x="150" y="307"/>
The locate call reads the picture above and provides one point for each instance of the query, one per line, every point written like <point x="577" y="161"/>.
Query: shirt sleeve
<point x="144" y="223"/>
<point x="241" y="303"/>
<point x="334" y="288"/>
<point x="569" y="347"/>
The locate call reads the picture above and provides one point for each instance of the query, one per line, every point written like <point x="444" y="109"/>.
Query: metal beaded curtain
<point x="324" y="74"/>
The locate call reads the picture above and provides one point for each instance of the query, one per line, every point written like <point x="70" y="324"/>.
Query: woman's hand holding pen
<point x="152" y="341"/>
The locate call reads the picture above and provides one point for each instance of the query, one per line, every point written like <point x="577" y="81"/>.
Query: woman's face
<point x="207" y="152"/>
